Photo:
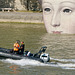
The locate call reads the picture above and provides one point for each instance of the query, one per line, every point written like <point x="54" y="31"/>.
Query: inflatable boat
<point x="39" y="56"/>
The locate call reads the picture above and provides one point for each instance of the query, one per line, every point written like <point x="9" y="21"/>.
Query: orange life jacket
<point x="16" y="47"/>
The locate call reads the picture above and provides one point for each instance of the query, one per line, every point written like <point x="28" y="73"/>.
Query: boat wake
<point x="65" y="63"/>
<point x="24" y="62"/>
<point x="60" y="63"/>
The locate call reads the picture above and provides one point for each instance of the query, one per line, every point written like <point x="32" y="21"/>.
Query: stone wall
<point x="21" y="4"/>
<point x="6" y="3"/>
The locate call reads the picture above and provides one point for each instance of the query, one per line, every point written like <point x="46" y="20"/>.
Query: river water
<point x="60" y="48"/>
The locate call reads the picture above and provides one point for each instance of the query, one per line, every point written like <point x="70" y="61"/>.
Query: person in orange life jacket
<point x="16" y="47"/>
<point x="22" y="47"/>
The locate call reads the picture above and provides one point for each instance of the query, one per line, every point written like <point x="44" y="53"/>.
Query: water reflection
<point x="14" y="69"/>
<point x="59" y="46"/>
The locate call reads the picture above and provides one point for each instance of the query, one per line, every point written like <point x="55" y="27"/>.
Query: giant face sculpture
<point x="59" y="16"/>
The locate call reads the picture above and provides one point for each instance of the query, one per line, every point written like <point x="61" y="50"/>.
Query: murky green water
<point x="60" y="47"/>
<point x="29" y="33"/>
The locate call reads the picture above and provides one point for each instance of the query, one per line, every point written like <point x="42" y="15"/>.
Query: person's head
<point x="17" y="42"/>
<point x="22" y="42"/>
<point x="59" y="16"/>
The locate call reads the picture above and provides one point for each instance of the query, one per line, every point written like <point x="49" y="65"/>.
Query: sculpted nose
<point x="55" y="20"/>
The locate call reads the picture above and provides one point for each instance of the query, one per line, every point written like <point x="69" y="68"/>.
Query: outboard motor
<point x="42" y="50"/>
<point x="45" y="57"/>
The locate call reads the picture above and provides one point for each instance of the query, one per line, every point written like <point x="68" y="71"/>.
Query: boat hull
<point x="5" y="53"/>
<point x="40" y="56"/>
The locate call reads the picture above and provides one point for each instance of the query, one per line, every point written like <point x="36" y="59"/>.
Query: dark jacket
<point x="22" y="48"/>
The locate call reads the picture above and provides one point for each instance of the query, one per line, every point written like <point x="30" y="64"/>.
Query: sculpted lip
<point x="57" y="32"/>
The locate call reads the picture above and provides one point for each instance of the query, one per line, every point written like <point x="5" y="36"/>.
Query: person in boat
<point x="22" y="48"/>
<point x="16" y="47"/>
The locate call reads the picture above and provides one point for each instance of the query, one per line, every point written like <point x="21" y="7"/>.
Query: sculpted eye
<point x="67" y="10"/>
<point x="47" y="9"/>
